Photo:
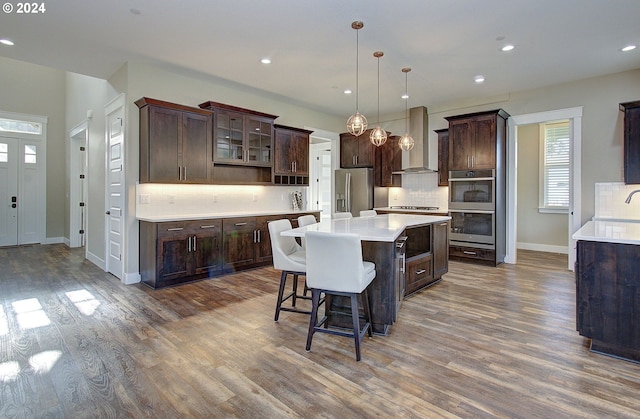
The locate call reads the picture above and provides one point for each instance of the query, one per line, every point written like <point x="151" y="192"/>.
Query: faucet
<point x="628" y="200"/>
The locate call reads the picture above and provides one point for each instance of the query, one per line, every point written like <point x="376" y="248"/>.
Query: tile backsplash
<point x="420" y="189"/>
<point x="609" y="201"/>
<point x="154" y="200"/>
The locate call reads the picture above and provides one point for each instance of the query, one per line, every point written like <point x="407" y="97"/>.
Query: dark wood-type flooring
<point x="485" y="342"/>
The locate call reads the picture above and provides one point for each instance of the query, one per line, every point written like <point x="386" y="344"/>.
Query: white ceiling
<point x="313" y="47"/>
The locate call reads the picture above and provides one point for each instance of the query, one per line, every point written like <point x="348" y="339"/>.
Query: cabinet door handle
<point x="466" y="252"/>
<point x="259" y="237"/>
<point x="189" y="244"/>
<point x="241" y="224"/>
<point x="473" y="161"/>
<point x="184" y="173"/>
<point x="212" y="226"/>
<point x="420" y="271"/>
<point x="194" y="243"/>
<point x="468" y="162"/>
<point x="175" y="229"/>
<point x="295" y="167"/>
<point x="255" y="237"/>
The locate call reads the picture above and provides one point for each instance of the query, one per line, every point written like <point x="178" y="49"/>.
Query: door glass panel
<point x="25" y="127"/>
<point x="4" y="153"/>
<point x="30" y="154"/>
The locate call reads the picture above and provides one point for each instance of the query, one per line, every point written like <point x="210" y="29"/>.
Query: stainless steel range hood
<point x="419" y="130"/>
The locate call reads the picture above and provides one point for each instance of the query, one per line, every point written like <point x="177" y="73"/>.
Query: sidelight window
<point x="554" y="166"/>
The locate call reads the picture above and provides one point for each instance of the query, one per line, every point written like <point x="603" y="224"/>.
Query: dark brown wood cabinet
<point x="356" y="151"/>
<point x="631" y="141"/>
<point x="175" y="143"/>
<point x="474" y="139"/>
<point x="607" y="303"/>
<point x="443" y="157"/>
<point x="427" y="255"/>
<point x="291" y="156"/>
<point x="388" y="159"/>
<point x="180" y="251"/>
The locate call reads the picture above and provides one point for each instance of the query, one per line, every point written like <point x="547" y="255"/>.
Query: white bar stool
<point x="335" y="267"/>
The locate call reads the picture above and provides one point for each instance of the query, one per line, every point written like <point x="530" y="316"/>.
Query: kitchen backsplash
<point x="610" y="199"/>
<point x="420" y="189"/>
<point x="168" y="199"/>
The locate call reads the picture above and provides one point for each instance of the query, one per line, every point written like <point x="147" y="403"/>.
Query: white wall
<point x="83" y="94"/>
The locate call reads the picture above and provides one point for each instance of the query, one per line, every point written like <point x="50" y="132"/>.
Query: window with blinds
<point x="554" y="166"/>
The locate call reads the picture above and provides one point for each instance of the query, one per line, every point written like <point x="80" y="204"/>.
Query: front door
<point x="115" y="180"/>
<point x="8" y="192"/>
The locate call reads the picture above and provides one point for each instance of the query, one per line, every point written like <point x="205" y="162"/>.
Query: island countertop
<point x="380" y="228"/>
<point x="609" y="231"/>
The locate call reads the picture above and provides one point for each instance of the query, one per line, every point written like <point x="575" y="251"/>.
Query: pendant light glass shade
<point x="357" y="123"/>
<point x="378" y="136"/>
<point x="406" y="142"/>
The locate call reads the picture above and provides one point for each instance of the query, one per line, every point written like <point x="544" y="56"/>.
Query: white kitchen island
<point x="410" y="253"/>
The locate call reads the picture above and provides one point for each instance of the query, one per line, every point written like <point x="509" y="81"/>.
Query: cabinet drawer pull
<point x="212" y="226"/>
<point x="241" y="224"/>
<point x="420" y="271"/>
<point x="466" y="252"/>
<point x="175" y="229"/>
<point x="443" y="224"/>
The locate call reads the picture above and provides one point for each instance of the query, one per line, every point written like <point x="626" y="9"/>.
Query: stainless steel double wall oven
<point x="472" y="207"/>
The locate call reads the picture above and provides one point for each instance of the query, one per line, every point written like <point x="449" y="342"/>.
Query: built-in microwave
<point x="472" y="189"/>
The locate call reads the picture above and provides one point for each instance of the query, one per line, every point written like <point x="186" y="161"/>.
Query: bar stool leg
<point x="283" y="281"/>
<point x="313" y="320"/>
<point x="367" y="311"/>
<point x="356" y="324"/>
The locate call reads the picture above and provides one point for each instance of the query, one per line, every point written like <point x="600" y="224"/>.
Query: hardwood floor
<point x="485" y="342"/>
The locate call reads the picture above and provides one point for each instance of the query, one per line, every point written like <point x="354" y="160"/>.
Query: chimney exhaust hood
<point x="419" y="130"/>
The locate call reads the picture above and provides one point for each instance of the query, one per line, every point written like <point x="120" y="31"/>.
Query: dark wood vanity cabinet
<point x="388" y="159"/>
<point x="179" y="251"/>
<point x="607" y="297"/>
<point x="291" y="156"/>
<point x="356" y="151"/>
<point x="443" y="157"/>
<point x="175" y="143"/>
<point x="474" y="139"/>
<point x="631" y="141"/>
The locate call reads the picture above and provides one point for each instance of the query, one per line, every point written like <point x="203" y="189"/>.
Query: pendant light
<point x="357" y="123"/>
<point x="406" y="142"/>
<point x="378" y="136"/>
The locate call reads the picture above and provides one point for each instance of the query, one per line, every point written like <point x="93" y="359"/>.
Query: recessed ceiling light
<point x="479" y="79"/>
<point x="629" y="48"/>
<point x="6" y="42"/>
<point x="405" y="96"/>
<point x="507" y="47"/>
<point x="347" y="92"/>
<point x="265" y="61"/>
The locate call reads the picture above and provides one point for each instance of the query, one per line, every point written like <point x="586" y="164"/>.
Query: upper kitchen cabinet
<point x="631" y="141"/>
<point x="175" y="142"/>
<point x="241" y="136"/>
<point x="476" y="139"/>
<point x="443" y="157"/>
<point x="291" y="164"/>
<point x="356" y="151"/>
<point x="388" y="160"/>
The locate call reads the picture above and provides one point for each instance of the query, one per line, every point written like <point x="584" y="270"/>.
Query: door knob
<point x="108" y="212"/>
<point x="14" y="205"/>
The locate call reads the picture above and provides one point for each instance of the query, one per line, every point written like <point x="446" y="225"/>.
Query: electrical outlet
<point x="215" y="198"/>
<point x="145" y="199"/>
<point x="254" y="197"/>
<point x="172" y="199"/>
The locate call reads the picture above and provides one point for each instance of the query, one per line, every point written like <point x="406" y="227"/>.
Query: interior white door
<point x="115" y="180"/>
<point x="8" y="191"/>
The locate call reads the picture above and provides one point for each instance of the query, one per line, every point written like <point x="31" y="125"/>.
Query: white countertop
<point x="609" y="231"/>
<point x="381" y="228"/>
<point x="215" y="215"/>
<point x="406" y="210"/>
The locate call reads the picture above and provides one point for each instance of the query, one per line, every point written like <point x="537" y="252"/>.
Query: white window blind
<point x="555" y="166"/>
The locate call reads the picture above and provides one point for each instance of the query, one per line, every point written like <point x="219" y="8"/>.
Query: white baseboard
<point x="99" y="262"/>
<point x="53" y="240"/>
<point x="67" y="242"/>
<point x="132" y="278"/>
<point x="543" y="247"/>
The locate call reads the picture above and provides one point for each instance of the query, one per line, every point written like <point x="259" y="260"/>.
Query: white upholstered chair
<point x="335" y="267"/>
<point x="368" y="213"/>
<point x="305" y="220"/>
<point x="288" y="257"/>
<point x="338" y="215"/>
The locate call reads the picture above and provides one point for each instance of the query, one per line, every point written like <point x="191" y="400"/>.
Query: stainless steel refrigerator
<point x="354" y="190"/>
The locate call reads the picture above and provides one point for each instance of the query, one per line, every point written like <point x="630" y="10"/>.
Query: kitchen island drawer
<point x="419" y="273"/>
<point x="474" y="253"/>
